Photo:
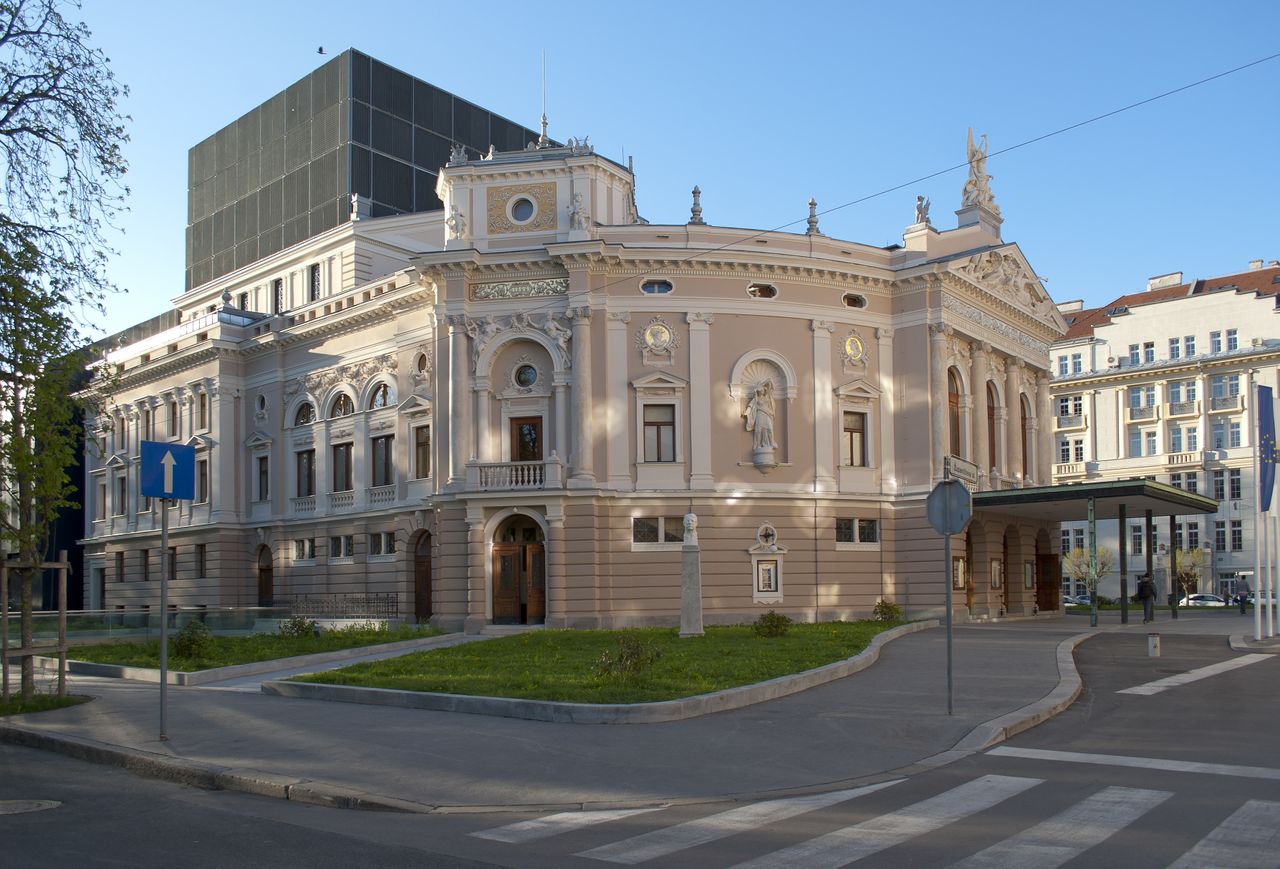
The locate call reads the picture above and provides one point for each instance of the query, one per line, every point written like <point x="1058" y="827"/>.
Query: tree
<point x="1081" y="569"/>
<point x="1187" y="576"/>
<point x="61" y="133"/>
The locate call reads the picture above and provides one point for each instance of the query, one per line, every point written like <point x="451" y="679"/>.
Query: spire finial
<point x="813" y="218"/>
<point x="543" y="141"/>
<point x="695" y="212"/>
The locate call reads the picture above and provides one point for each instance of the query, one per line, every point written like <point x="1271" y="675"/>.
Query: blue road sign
<point x="168" y="471"/>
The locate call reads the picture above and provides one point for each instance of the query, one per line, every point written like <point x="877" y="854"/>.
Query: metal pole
<point x="62" y="623"/>
<point x="164" y="612"/>
<point x="4" y="628"/>
<point x="946" y="580"/>
<point x="1093" y="566"/>
<point x="1150" y="543"/>
<point x="1173" y="569"/>
<point x="1271" y="583"/>
<point x="1123" y="545"/>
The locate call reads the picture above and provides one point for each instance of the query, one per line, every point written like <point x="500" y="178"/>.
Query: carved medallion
<point x="521" y="207"/>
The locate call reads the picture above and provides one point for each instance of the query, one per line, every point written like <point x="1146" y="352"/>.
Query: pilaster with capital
<point x="1013" y="425"/>
<point x="478" y="612"/>
<point x="701" y="475"/>
<point x="884" y="368"/>
<point x="583" y="465"/>
<point x="941" y="435"/>
<point x="978" y="390"/>
<point x="459" y="400"/>
<point x="557" y="581"/>
<point x="618" y="453"/>
<point x="1044" y="461"/>
<point x="824" y="424"/>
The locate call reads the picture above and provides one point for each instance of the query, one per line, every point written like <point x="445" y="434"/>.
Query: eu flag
<point x="1266" y="447"/>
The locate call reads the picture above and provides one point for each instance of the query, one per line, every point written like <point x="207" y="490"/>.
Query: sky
<point x="764" y="105"/>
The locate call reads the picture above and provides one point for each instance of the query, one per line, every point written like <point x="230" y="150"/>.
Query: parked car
<point x="1266" y="598"/>
<point x="1076" y="600"/>
<point x="1202" y="600"/>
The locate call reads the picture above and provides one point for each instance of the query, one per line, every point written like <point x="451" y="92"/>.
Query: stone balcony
<point x="1145" y="413"/>
<point x="515" y="476"/>
<point x="1072" y="422"/>
<point x="1175" y="409"/>
<point x="1224" y="403"/>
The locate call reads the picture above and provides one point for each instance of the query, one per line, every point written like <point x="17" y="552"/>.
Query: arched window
<point x="342" y="406"/>
<point x="381" y="396"/>
<point x="953" y="410"/>
<point x="1026" y="415"/>
<point x="306" y="414"/>
<point x="992" y="401"/>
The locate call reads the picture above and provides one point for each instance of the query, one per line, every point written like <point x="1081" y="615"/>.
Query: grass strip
<point x="39" y="703"/>
<point x="563" y="664"/>
<point x="229" y="651"/>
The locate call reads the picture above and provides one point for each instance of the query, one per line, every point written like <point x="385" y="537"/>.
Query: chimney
<point x="1159" y="282"/>
<point x="1255" y="264"/>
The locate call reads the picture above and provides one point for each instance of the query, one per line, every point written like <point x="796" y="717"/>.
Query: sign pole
<point x="164" y="612"/>
<point x="949" y="508"/>
<point x="946" y="579"/>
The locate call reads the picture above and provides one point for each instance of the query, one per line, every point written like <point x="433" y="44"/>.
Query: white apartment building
<point x="1157" y="384"/>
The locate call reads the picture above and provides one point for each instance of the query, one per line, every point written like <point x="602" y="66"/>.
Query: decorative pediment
<point x="659" y="382"/>
<point x="858" y="390"/>
<point x="200" y="442"/>
<point x="117" y="461"/>
<point x="1005" y="274"/>
<point x="258" y="440"/>
<point x="414" y="405"/>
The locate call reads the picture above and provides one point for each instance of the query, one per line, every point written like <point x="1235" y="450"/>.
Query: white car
<point x="1202" y="600"/>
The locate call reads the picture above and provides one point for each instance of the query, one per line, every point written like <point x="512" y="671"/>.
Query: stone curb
<point x="219" y="674"/>
<point x="589" y="713"/>
<point x="1246" y="643"/>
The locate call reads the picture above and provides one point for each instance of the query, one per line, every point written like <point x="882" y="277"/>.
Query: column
<point x="459" y="399"/>
<point x="477" y="596"/>
<point x="1162" y="427"/>
<point x="583" y="466"/>
<point x="557" y="590"/>
<point x="561" y="388"/>
<point x="824" y="447"/>
<point x="618" y="417"/>
<point x="487" y="445"/>
<point x="1044" y="461"/>
<point x="938" y="391"/>
<point x="886" y="447"/>
<point x="700" y="473"/>
<point x="1013" y="420"/>
<point x="978" y="391"/>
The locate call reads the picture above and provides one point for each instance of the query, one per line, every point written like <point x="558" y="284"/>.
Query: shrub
<point x="297" y="627"/>
<point x="361" y="628"/>
<point x="195" y="640"/>
<point x="1103" y="600"/>
<point x="887" y="611"/>
<point x="633" y="657"/>
<point x="771" y="624"/>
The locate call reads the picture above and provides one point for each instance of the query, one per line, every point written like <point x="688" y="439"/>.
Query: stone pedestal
<point x="690" y="590"/>
<point x="763" y="459"/>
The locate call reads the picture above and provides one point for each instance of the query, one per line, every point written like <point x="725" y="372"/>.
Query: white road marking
<point x="1248" y="839"/>
<point x="660" y="843"/>
<point x="1195" y="675"/>
<point x="1138" y="762"/>
<point x="554" y="825"/>
<point x="1070" y="833"/>
<point x="862" y="840"/>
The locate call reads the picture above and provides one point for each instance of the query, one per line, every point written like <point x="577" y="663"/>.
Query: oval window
<point x="656" y="288"/>
<point x="526" y="376"/>
<point x="262" y="402"/>
<point x="421" y="364"/>
<point x="522" y="210"/>
<point x="762" y="291"/>
<point x="853" y="300"/>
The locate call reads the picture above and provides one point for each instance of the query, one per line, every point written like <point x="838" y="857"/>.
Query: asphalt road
<point x="1184" y="775"/>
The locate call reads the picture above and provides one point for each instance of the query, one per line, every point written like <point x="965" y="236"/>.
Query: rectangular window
<point x="1193" y="535"/>
<point x="1175" y="480"/>
<point x="342" y="468"/>
<point x="1077" y="449"/>
<point x="1135" y="539"/>
<point x="1135" y="397"/>
<point x="1219" y="485"/>
<point x="306" y="465"/>
<point x="1237" y="535"/>
<point x="313" y="283"/>
<point x="1064" y="451"/>
<point x="659" y="432"/>
<point x="1150" y="438"/>
<point x="422" y="452"/>
<point x="1191" y="390"/>
<point x="1175" y="348"/>
<point x="202" y="560"/>
<point x="868" y="531"/>
<point x="244" y="301"/>
<point x="1235" y="485"/>
<point x="1062" y="366"/>
<point x="857" y="531"/>
<point x="1135" y="354"/>
<point x="1177" y="536"/>
<point x="202" y="406"/>
<point x="657" y="529"/>
<point x="1148" y="396"/>
<point x="1135" y="443"/>
<point x="1077" y="363"/>
<point x="101" y="511"/>
<point x="1149" y="351"/>
<point x="1078" y="535"/>
<point x="853" y="447"/>
<point x="1233" y="342"/>
<point x="382" y="543"/>
<point x="304" y="549"/>
<point x="1064" y="406"/>
<point x="1066" y="541"/>
<point x="1175" y="391"/>
<point x="202" y="480"/>
<point x="383" y="471"/>
<point x="173" y="562"/>
<point x="1220" y="536"/>
<point x="119" y="567"/>
<point x="146" y="564"/>
<point x="122" y="496"/>
<point x="1175" y="439"/>
<point x="1218" y="434"/>
<point x="1233" y="433"/>
<point x="1215" y="342"/>
<point x="264" y="478"/>
<point x="1193" y="481"/>
<point x="1193" y="438"/>
<point x="1189" y="346"/>
<point x="342" y="546"/>
<point x="147" y="432"/>
<point x="277" y="296"/>
<point x="175" y="420"/>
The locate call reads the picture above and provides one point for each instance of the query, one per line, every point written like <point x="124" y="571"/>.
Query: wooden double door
<point x="519" y="584"/>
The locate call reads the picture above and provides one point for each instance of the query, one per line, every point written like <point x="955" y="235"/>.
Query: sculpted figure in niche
<point x="759" y="416"/>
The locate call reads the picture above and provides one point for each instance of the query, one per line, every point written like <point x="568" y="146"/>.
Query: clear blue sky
<point x="764" y="105"/>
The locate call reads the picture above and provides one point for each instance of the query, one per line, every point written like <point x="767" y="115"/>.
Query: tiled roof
<point x="1081" y="324"/>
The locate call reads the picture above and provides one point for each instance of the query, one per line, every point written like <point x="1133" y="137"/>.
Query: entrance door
<point x="519" y="584"/>
<point x="422" y="578"/>
<point x="526" y="439"/>
<point x="266" y="579"/>
<point x="1048" y="582"/>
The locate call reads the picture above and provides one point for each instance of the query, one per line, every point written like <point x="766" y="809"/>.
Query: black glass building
<point x="285" y="171"/>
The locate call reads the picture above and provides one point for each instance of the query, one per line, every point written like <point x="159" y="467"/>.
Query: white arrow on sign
<point x="168" y="461"/>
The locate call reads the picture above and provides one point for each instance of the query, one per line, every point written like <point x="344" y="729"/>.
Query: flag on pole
<point x="1266" y="447"/>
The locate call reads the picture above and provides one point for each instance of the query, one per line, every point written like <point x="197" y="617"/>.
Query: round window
<point x="526" y="376"/>
<point x="522" y="210"/>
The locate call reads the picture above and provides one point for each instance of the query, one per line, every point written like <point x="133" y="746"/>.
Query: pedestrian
<point x="1147" y="594"/>
<point x="1242" y="596"/>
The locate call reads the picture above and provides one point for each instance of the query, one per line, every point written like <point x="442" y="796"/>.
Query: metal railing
<point x="1224" y="402"/>
<point x="359" y="606"/>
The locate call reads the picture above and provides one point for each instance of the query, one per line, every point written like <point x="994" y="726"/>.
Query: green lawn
<point x="38" y="703"/>
<point x="228" y="651"/>
<point x="560" y="665"/>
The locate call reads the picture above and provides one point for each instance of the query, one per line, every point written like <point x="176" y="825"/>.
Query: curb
<point x="593" y="713"/>
<point x="235" y="671"/>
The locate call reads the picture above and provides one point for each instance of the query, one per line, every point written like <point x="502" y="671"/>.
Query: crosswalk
<point x="1246" y="838"/>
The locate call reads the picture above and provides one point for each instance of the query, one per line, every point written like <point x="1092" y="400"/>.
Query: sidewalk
<point x="887" y="718"/>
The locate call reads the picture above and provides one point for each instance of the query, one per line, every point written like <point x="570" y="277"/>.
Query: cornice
<point x="975" y="295"/>
<point x="1236" y="364"/>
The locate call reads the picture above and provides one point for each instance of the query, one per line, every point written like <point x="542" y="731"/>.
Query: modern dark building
<point x="285" y="171"/>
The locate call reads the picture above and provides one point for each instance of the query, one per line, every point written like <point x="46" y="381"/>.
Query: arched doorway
<point x="266" y="577"/>
<point x="1048" y="574"/>
<point x="519" y="573"/>
<point x="422" y="577"/>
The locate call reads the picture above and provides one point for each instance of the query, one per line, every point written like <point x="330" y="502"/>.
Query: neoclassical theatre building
<point x="500" y="411"/>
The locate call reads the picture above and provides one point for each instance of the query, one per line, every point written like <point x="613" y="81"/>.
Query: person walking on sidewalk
<point x="1147" y="594"/>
